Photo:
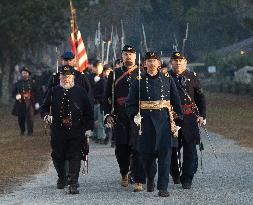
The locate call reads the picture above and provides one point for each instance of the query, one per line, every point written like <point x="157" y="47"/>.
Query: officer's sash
<point x="159" y="104"/>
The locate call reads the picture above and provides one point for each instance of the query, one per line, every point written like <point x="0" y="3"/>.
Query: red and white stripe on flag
<point x="79" y="50"/>
<point x="81" y="53"/>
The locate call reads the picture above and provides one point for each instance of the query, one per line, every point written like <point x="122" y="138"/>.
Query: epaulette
<point x="193" y="73"/>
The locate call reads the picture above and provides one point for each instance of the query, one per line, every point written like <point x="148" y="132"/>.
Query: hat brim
<point x="157" y="58"/>
<point x="129" y="51"/>
<point x="67" y="58"/>
<point x="181" y="57"/>
<point x="67" y="73"/>
<point x="28" y="71"/>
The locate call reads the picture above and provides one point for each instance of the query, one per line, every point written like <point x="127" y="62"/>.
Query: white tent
<point x="244" y="75"/>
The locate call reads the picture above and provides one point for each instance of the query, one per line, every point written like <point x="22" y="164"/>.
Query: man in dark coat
<point x="124" y="129"/>
<point x="194" y="110"/>
<point x="67" y="108"/>
<point x="150" y="102"/>
<point x="24" y="107"/>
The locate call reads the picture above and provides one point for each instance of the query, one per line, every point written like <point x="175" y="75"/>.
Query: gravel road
<point x="226" y="180"/>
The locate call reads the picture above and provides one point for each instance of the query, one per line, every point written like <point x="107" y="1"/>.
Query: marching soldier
<point x="124" y="129"/>
<point x="156" y="97"/>
<point x="194" y="112"/>
<point x="67" y="108"/>
<point x="24" y="107"/>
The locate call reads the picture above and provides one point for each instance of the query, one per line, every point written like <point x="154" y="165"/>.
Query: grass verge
<point x="231" y="116"/>
<point x="20" y="158"/>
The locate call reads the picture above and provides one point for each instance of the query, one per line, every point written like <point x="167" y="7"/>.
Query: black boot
<point x="176" y="179"/>
<point x="186" y="185"/>
<point x="74" y="169"/>
<point x="61" y="183"/>
<point x="162" y="193"/>
<point x="60" y="169"/>
<point x="73" y="189"/>
<point x="150" y="185"/>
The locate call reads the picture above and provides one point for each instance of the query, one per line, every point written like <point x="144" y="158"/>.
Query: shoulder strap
<point x="124" y="75"/>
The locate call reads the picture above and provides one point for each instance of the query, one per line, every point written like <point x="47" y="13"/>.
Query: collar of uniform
<point x="175" y="74"/>
<point x="155" y="76"/>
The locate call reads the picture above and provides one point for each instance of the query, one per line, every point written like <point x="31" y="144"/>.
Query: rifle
<point x="103" y="52"/>
<point x="175" y="46"/>
<point x="113" y="86"/>
<point x="139" y="76"/>
<point x="123" y="35"/>
<point x="144" y="38"/>
<point x="186" y="36"/>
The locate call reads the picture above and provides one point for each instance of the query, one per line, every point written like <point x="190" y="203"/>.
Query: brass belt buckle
<point x="67" y="121"/>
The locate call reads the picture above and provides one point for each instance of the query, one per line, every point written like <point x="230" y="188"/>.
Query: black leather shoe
<point x="176" y="179"/>
<point x="73" y="189"/>
<point x="68" y="182"/>
<point x="150" y="185"/>
<point x="61" y="183"/>
<point x="186" y="185"/>
<point x="163" y="193"/>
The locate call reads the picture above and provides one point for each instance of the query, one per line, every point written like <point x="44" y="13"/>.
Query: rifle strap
<point x="124" y="75"/>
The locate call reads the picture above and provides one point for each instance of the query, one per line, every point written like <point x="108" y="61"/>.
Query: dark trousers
<point x="126" y="156"/>
<point x="189" y="161"/>
<point x="66" y="145"/>
<point x="122" y="153"/>
<point x="25" y="118"/>
<point x="137" y="169"/>
<point x="150" y="167"/>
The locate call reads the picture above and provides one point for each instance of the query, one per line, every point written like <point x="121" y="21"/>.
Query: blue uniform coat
<point x="156" y="130"/>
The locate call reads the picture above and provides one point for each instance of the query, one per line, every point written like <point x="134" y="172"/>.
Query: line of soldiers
<point x="168" y="107"/>
<point x="152" y="115"/>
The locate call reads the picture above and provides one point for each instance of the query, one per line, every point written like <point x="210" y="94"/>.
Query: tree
<point x="25" y="28"/>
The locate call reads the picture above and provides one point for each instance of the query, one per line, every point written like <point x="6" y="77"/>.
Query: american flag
<point x="79" y="50"/>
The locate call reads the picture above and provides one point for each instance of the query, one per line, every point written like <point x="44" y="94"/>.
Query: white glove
<point x="176" y="133"/>
<point x="18" y="97"/>
<point x="48" y="119"/>
<point x="37" y="106"/>
<point x="137" y="119"/>
<point x="204" y="123"/>
<point x="109" y="121"/>
<point x="96" y="78"/>
<point x="88" y="133"/>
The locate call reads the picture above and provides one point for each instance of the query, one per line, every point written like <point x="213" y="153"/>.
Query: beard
<point x="67" y="86"/>
<point x="129" y="63"/>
